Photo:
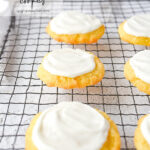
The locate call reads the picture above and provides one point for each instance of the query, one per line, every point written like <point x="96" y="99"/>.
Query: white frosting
<point x="71" y="22"/>
<point x="70" y="126"/>
<point x="138" y="25"/>
<point x="145" y="128"/>
<point x="140" y="63"/>
<point x="69" y="62"/>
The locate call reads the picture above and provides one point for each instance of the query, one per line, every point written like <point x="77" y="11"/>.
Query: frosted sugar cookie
<point x="142" y="133"/>
<point x="136" y="30"/>
<point x="72" y="126"/>
<point x="75" y="28"/>
<point x="70" y="68"/>
<point x="137" y="71"/>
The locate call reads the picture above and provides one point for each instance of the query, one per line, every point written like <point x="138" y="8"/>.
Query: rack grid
<point x="22" y="94"/>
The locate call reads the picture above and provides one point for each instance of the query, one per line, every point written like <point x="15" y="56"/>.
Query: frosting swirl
<point x="69" y="62"/>
<point x="140" y="63"/>
<point x="70" y="126"/>
<point x="71" y="22"/>
<point x="138" y="25"/>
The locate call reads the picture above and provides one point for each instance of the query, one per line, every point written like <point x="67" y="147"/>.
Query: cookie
<point x="75" y="126"/>
<point x="142" y="133"/>
<point x="137" y="71"/>
<point x="136" y="30"/>
<point x="70" y="68"/>
<point x="75" y="28"/>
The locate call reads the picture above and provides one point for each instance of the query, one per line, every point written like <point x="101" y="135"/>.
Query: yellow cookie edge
<point x="130" y="75"/>
<point x="86" y="38"/>
<point x="113" y="140"/>
<point x="82" y="81"/>
<point x="139" y="140"/>
<point x="131" y="38"/>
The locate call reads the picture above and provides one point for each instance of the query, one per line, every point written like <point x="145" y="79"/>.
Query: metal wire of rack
<point x="22" y="94"/>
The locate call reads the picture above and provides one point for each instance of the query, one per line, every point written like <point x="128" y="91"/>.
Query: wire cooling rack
<point x="22" y="94"/>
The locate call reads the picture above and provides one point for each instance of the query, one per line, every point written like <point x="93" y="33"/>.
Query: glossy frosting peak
<point x="72" y="22"/>
<point x="140" y="63"/>
<point x="69" y="62"/>
<point x="70" y="126"/>
<point x="138" y="25"/>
